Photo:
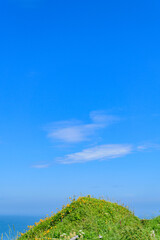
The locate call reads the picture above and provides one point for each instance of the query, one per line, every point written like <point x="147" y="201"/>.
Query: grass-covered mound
<point x="90" y="218"/>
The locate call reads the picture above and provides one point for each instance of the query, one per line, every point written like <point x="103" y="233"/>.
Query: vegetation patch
<point x="91" y="218"/>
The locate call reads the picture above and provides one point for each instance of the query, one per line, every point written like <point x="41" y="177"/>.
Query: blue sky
<point x="79" y="103"/>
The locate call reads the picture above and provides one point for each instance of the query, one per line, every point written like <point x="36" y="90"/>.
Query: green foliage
<point x="153" y="225"/>
<point x="90" y="218"/>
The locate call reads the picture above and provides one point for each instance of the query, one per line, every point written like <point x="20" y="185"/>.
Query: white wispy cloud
<point x="40" y="166"/>
<point x="148" y="146"/>
<point x="75" y="131"/>
<point x="101" y="152"/>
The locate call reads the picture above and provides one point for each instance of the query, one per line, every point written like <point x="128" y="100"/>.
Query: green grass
<point x="90" y="218"/>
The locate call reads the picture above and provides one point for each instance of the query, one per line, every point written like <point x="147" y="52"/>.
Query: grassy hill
<point x="90" y="218"/>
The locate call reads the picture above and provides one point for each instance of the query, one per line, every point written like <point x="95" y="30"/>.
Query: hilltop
<point x="91" y="218"/>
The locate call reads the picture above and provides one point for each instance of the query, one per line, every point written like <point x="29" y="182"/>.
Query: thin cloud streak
<point x="102" y="152"/>
<point x="75" y="131"/>
<point x="39" y="166"/>
<point x="149" y="146"/>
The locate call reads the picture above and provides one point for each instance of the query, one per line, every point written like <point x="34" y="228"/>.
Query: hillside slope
<point x="90" y="218"/>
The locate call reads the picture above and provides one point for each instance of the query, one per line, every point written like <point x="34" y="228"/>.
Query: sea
<point x="10" y="225"/>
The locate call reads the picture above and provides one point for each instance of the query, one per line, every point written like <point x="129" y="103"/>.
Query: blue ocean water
<point x="10" y="225"/>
